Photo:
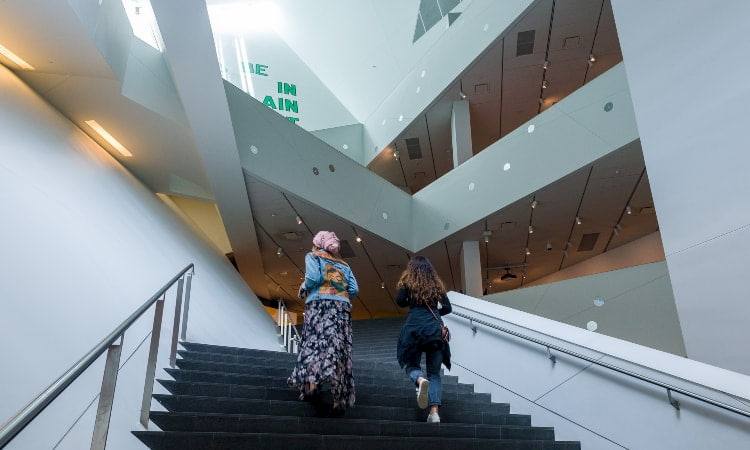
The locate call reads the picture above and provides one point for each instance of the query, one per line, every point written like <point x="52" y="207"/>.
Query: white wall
<point x="601" y="408"/>
<point x="83" y="245"/>
<point x="638" y="305"/>
<point x="687" y="74"/>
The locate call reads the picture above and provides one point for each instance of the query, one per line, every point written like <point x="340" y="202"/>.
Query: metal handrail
<point x="14" y="426"/>
<point x="670" y="388"/>
<point x="285" y="323"/>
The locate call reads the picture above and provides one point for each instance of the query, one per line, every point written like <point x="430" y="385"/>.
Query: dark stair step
<point x="241" y="423"/>
<point x="457" y="414"/>
<point x="384" y="376"/>
<point x="228" y="441"/>
<point x="275" y="381"/>
<point x="265" y="361"/>
<point x="379" y="396"/>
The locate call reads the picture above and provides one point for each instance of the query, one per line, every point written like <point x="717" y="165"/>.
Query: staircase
<point x="233" y="398"/>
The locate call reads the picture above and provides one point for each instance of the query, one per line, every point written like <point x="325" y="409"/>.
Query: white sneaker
<point x="422" y="397"/>
<point x="433" y="418"/>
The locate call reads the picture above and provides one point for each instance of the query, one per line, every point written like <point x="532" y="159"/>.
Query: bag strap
<point x="433" y="314"/>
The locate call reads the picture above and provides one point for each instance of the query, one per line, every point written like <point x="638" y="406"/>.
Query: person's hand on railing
<point x="302" y="293"/>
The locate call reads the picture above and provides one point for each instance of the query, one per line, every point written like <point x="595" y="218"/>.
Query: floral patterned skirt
<point x="326" y="352"/>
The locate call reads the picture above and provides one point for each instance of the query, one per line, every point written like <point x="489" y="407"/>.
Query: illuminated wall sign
<point x="257" y="69"/>
<point x="284" y="104"/>
<point x="281" y="100"/>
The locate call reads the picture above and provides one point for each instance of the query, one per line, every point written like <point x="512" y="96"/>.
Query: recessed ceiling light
<point x="506" y="167"/>
<point x="345" y="147"/>
<point x="109" y="138"/>
<point x="530" y="129"/>
<point x="401" y="118"/>
<point x="578" y="220"/>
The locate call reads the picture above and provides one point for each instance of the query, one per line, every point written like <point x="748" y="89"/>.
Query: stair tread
<point x="226" y="441"/>
<point x="290" y="424"/>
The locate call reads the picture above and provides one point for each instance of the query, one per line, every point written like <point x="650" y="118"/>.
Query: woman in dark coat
<point x="421" y="289"/>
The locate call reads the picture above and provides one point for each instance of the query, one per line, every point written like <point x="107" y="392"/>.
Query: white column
<point x="461" y="132"/>
<point x="693" y="128"/>
<point x="471" y="269"/>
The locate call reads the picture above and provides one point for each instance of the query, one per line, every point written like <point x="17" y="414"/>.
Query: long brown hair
<point x="423" y="282"/>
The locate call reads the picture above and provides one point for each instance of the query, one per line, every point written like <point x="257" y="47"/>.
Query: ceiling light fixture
<point x="544" y="84"/>
<point x="396" y="154"/>
<point x="109" y="138"/>
<point x="528" y="252"/>
<point x="545" y="66"/>
<point x="358" y="238"/>
<point x="508" y="275"/>
<point x="531" y="229"/>
<point x="615" y="231"/>
<point x="298" y="219"/>
<point x="628" y="210"/>
<point x="279" y="251"/>
<point x="486" y="239"/>
<point x="382" y="285"/>
<point x="541" y="100"/>
<point x="592" y="58"/>
<point x="578" y="220"/>
<point x="17" y="60"/>
<point x="462" y="95"/>
<point x="534" y="203"/>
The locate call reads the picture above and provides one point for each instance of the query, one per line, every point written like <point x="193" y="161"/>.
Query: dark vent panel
<point x="525" y="43"/>
<point x="588" y="241"/>
<point x="345" y="250"/>
<point x="412" y="147"/>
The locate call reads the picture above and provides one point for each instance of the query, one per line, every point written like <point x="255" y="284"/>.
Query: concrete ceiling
<point x="503" y="90"/>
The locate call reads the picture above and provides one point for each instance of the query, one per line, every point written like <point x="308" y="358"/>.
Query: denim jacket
<point x="328" y="278"/>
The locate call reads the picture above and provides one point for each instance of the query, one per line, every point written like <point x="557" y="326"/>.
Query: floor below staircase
<point x="234" y="398"/>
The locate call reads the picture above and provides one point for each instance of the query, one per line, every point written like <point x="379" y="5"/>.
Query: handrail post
<point x="106" y="397"/>
<point x="176" y="323"/>
<point x="153" y="350"/>
<point x="183" y="333"/>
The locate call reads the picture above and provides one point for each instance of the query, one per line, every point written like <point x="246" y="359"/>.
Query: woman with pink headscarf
<point x="325" y="357"/>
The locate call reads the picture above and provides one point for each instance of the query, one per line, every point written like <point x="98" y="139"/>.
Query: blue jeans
<point x="433" y="360"/>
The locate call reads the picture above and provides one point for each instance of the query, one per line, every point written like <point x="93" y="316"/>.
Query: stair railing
<point x="112" y="344"/>
<point x="670" y="388"/>
<point x="287" y="330"/>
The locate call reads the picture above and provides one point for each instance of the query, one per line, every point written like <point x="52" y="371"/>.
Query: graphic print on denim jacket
<point x="334" y="282"/>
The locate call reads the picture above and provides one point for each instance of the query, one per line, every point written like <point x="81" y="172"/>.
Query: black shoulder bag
<point x="446" y="333"/>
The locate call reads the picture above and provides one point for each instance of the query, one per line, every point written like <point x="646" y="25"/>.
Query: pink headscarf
<point x="327" y="240"/>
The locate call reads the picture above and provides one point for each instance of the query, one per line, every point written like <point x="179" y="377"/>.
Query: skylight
<point x="142" y="21"/>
